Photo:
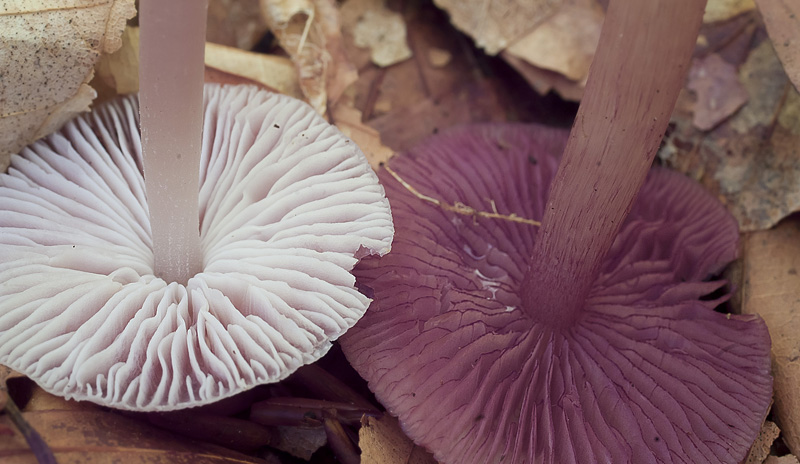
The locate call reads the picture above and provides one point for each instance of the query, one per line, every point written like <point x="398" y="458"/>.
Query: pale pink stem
<point x="172" y="46"/>
<point x="638" y="70"/>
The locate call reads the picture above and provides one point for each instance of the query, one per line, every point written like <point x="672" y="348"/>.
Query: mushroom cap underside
<point x="287" y="206"/>
<point x="648" y="373"/>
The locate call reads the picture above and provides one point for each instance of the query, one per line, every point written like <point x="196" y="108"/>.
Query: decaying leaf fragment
<point x="771" y="289"/>
<point x="719" y="92"/>
<point x="48" y="49"/>
<point x="760" y="450"/>
<point x="310" y="32"/>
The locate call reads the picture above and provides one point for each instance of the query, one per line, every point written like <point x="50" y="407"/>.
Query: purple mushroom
<point x="592" y="338"/>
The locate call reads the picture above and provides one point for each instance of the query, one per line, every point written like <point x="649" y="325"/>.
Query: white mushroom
<point x="287" y="207"/>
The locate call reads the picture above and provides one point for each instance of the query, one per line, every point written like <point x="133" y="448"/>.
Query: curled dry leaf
<point x="309" y="31"/>
<point x="374" y="26"/>
<point x="49" y="52"/>
<point x="771" y="288"/>
<point x="383" y="442"/>
<point x="782" y="18"/>
<point x="235" y="23"/>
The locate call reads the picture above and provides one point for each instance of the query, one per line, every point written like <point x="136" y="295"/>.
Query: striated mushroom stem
<point x="171" y="97"/>
<point x="639" y="68"/>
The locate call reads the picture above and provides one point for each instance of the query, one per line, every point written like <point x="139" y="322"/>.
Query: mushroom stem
<point x="639" y="68"/>
<point x="171" y="114"/>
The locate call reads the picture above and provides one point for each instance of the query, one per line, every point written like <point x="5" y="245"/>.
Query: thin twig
<point x="39" y="447"/>
<point x="461" y="208"/>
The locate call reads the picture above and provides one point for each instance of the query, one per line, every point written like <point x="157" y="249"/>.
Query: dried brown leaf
<point x="50" y="49"/>
<point x="348" y="120"/>
<point x="235" y="23"/>
<point x="782" y="18"/>
<point x="772" y="290"/>
<point x="100" y="436"/>
<point x="383" y="442"/>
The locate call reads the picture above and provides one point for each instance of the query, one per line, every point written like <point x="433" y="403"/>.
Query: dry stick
<point x="171" y="99"/>
<point x="638" y="70"/>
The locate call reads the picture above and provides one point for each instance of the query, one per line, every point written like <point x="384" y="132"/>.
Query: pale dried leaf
<point x="49" y="51"/>
<point x="235" y="23"/>
<point x="565" y="42"/>
<point x="719" y="92"/>
<point x="788" y="459"/>
<point x="310" y="33"/>
<point x="720" y="10"/>
<point x="760" y="450"/>
<point x="376" y="27"/>
<point x="494" y="24"/>
<point x="272" y="71"/>
<point x="543" y="81"/>
<point x="119" y="71"/>
<point x="348" y="120"/>
<point x="383" y="442"/>
<point x="782" y="18"/>
<point x="772" y="290"/>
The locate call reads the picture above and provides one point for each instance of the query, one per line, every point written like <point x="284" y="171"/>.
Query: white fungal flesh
<point x="287" y="205"/>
